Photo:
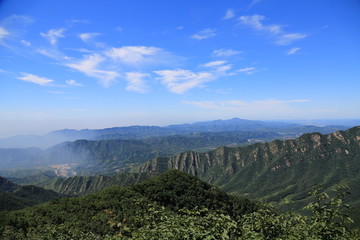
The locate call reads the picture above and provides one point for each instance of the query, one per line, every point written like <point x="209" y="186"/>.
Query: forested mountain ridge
<point x="103" y="156"/>
<point x="282" y="171"/>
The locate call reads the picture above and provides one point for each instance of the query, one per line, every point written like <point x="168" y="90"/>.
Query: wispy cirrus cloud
<point x="135" y="55"/>
<point x="229" y="14"/>
<point x="72" y="82"/>
<point x="288" y="39"/>
<point x="281" y="37"/>
<point x="253" y="2"/>
<point x="136" y="82"/>
<point x="214" y="63"/>
<point x="292" y="51"/>
<point x="3" y="32"/>
<point x="90" y="66"/>
<point x="11" y="31"/>
<point x="53" y="35"/>
<point x="248" y="70"/>
<point x="225" y="52"/>
<point x="26" y="43"/>
<point x="219" y="66"/>
<point x="85" y="37"/>
<point x="203" y="34"/>
<point x="27" y="77"/>
<point x="180" y="81"/>
<point x="255" y="21"/>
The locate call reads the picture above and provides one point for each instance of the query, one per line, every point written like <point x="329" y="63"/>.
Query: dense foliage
<point x="175" y="205"/>
<point x="13" y="196"/>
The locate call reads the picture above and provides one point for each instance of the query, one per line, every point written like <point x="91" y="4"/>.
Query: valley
<point x="270" y="167"/>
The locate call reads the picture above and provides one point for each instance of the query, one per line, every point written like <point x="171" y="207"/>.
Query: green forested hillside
<point x="173" y="205"/>
<point x="13" y="196"/>
<point x="128" y="206"/>
<point x="279" y="171"/>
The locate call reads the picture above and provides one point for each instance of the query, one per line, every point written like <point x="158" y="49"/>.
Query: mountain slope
<point x="83" y="185"/>
<point x="131" y="207"/>
<point x="13" y="196"/>
<point x="277" y="171"/>
<point x="107" y="156"/>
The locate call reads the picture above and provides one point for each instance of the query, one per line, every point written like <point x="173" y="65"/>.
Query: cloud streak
<point x="225" y="52"/>
<point x="229" y="14"/>
<point x="248" y="70"/>
<point x="27" y="77"/>
<point x="204" y="34"/>
<point x="292" y="51"/>
<point x="53" y="35"/>
<point x="3" y="32"/>
<point x="90" y="67"/>
<point x="85" y="37"/>
<point x="135" y="55"/>
<point x="73" y="83"/>
<point x="136" y="82"/>
<point x="180" y="81"/>
<point x="281" y="37"/>
<point x="214" y="64"/>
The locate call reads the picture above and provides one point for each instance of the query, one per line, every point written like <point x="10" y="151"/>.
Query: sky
<point x="98" y="64"/>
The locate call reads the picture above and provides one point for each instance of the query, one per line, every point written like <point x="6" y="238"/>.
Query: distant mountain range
<point x="106" y="156"/>
<point x="140" y="132"/>
<point x="279" y="171"/>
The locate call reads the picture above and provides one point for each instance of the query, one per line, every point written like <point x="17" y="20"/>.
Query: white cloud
<point x="119" y="29"/>
<point x="214" y="64"/>
<point x="203" y="34"/>
<point x="3" y="32"/>
<point x="229" y="14"/>
<point x="88" y="36"/>
<point x="180" y="27"/>
<point x="90" y="66"/>
<point x="134" y="55"/>
<point x="79" y="21"/>
<point x="289" y="38"/>
<point x="47" y="53"/>
<point x="73" y="83"/>
<point x="225" y="52"/>
<point x="179" y="81"/>
<point x="35" y="79"/>
<point x="136" y="82"/>
<point x="224" y="68"/>
<point x="255" y="21"/>
<point x="53" y="35"/>
<point x="248" y="70"/>
<point x="292" y="51"/>
<point x="26" y="43"/>
<point x="254" y="2"/>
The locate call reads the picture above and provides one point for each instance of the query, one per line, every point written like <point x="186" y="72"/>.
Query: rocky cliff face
<point x="275" y="171"/>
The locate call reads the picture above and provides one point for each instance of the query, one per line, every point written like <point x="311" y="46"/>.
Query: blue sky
<point x="96" y="64"/>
